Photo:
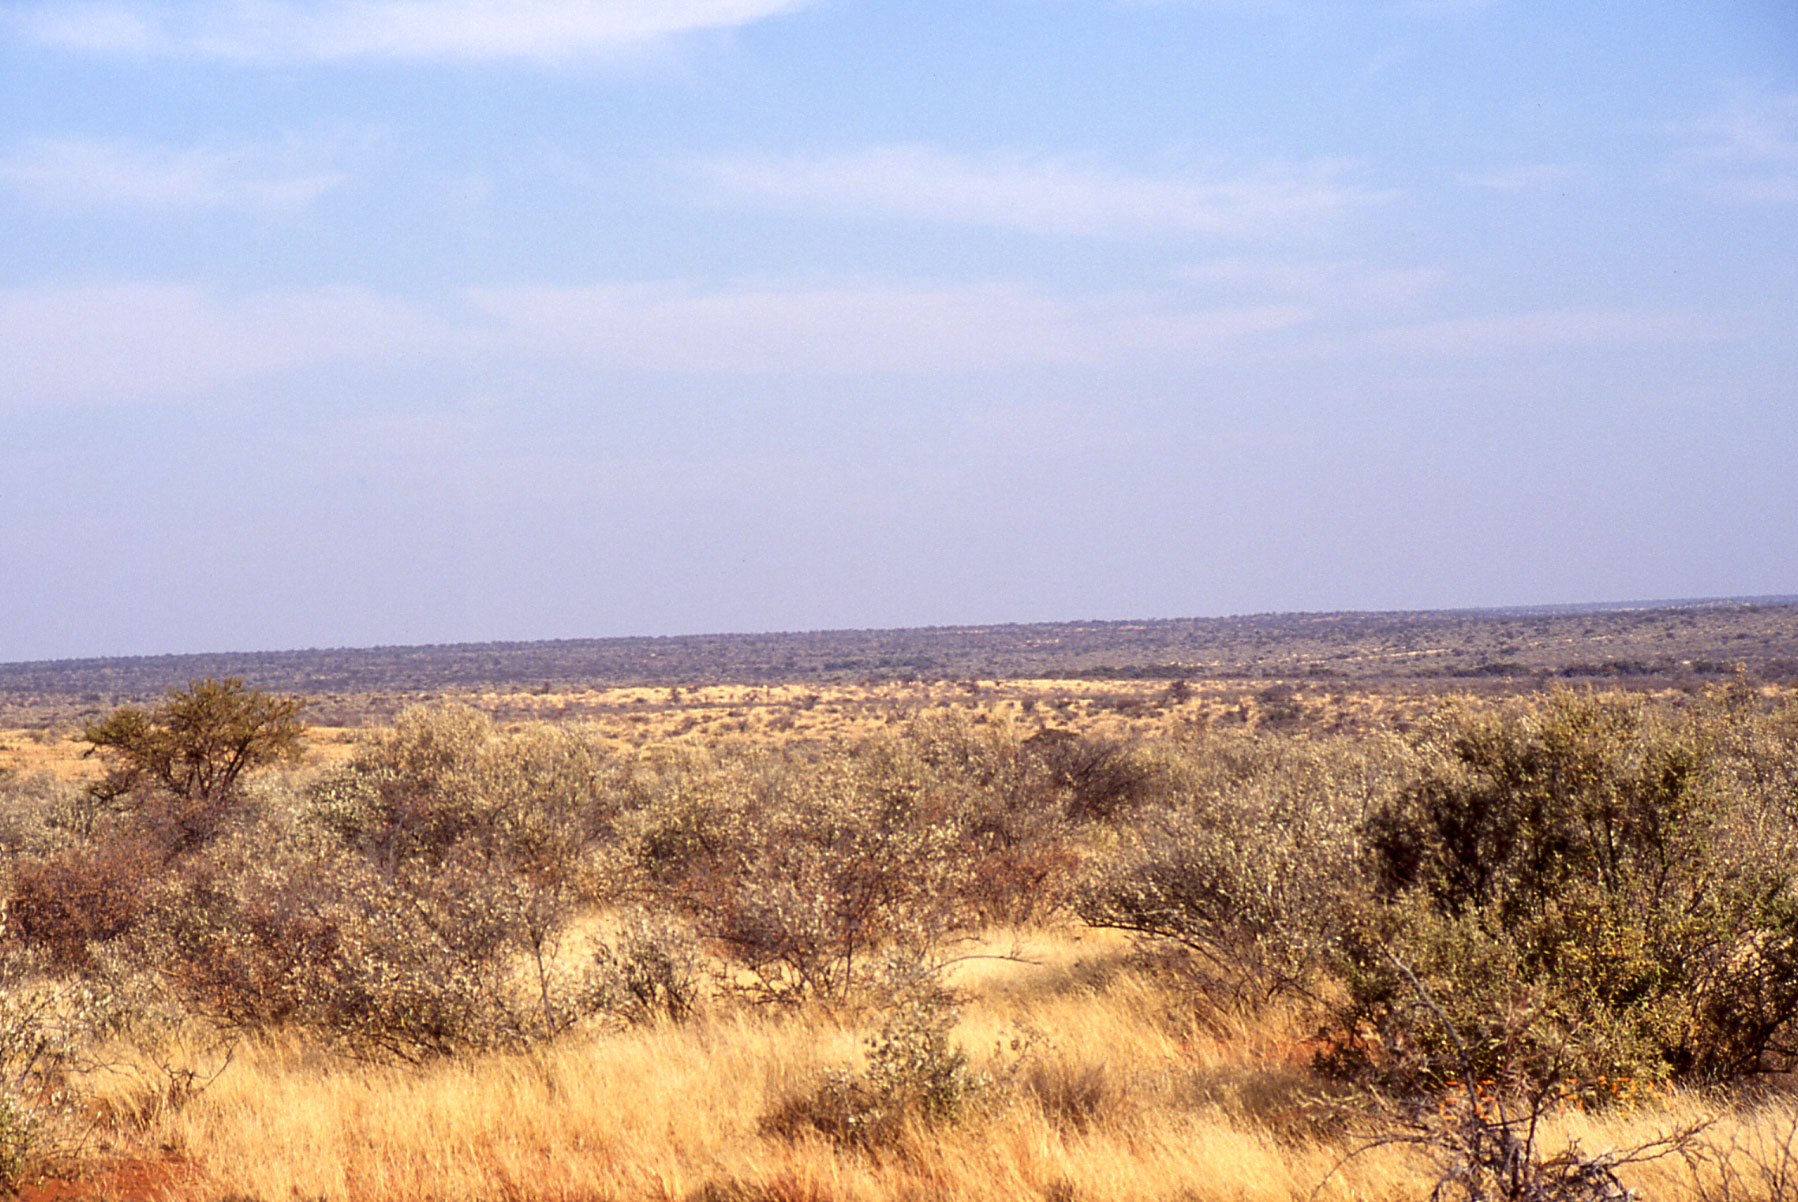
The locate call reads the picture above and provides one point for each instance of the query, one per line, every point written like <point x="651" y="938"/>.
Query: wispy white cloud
<point x="298" y="31"/>
<point x="1546" y="330"/>
<point x="1044" y="195"/>
<point x="150" y="342"/>
<point x="1745" y="150"/>
<point x="90" y="173"/>
<point x="129" y="343"/>
<point x="1525" y="177"/>
<point x="856" y="328"/>
<point x="126" y="342"/>
<point x="1326" y="284"/>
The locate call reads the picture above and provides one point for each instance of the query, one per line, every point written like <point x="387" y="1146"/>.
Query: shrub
<point x="801" y="870"/>
<point x="1011" y="811"/>
<point x="1486" y="1135"/>
<point x="1581" y="865"/>
<point x="42" y="1031"/>
<point x="1250" y="863"/>
<point x="652" y="969"/>
<point x="408" y="968"/>
<point x="392" y="909"/>
<point x="1101" y="778"/>
<point x="178" y="766"/>
<point x="914" y="1074"/>
<point x="1580" y="789"/>
<point x="41" y="815"/>
<point x="63" y="903"/>
<point x="419" y="930"/>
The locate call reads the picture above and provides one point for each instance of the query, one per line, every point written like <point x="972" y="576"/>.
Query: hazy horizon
<point x="356" y="323"/>
<point x="1548" y="609"/>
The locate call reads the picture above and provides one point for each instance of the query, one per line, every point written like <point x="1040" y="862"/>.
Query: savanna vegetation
<point x="1658" y="645"/>
<point x="1531" y="946"/>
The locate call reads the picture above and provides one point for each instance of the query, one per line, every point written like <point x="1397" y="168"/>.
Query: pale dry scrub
<point x="963" y="955"/>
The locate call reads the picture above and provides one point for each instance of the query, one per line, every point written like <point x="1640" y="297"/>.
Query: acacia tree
<point x="181" y="762"/>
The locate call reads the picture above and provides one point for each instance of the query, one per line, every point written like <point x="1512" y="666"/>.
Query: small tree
<point x="181" y="762"/>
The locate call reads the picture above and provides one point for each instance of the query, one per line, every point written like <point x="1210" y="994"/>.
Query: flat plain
<point x="517" y="927"/>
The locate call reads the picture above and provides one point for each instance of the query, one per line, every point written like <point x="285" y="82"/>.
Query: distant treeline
<point x="1696" y="640"/>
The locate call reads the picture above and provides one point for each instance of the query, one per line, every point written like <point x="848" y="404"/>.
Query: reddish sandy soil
<point x="117" y="1181"/>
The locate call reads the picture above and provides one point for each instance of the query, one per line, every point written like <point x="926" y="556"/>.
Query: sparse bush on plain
<point x="1579" y="898"/>
<point x="803" y="866"/>
<point x="177" y="768"/>
<point x="45" y="1038"/>
<point x="915" y="1074"/>
<point x="830" y="862"/>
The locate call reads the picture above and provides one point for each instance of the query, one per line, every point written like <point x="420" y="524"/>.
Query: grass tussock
<point x="677" y="1110"/>
<point x="1110" y="1100"/>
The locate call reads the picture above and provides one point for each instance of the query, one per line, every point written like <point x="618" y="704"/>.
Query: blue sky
<point x="410" y="321"/>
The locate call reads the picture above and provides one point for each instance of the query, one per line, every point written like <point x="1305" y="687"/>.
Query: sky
<point x="376" y="322"/>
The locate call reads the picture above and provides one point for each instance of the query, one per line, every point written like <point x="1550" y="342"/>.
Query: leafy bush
<point x="43" y="1033"/>
<point x="1249" y="864"/>
<point x="63" y="903"/>
<point x="412" y="968"/>
<point x="178" y="766"/>
<point x="41" y="814"/>
<point x="1580" y="789"/>
<point x="914" y="1074"/>
<point x="801" y="870"/>
<point x="651" y="969"/>
<point x="1584" y="865"/>
<point x="410" y="902"/>
<point x="1485" y="1136"/>
<point x="443" y="778"/>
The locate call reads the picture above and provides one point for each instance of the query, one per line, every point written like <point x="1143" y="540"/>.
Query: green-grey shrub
<point x="1585" y="889"/>
<point x="1252" y="860"/>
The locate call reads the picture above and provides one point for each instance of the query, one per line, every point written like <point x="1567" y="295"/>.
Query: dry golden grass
<point x="28" y="752"/>
<point x="65" y="755"/>
<point x="1163" y="1108"/>
<point x="1125" y="1089"/>
<point x="665" y="1112"/>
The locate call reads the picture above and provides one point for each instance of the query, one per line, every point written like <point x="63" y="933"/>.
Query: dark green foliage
<point x="178" y="765"/>
<point x="1581" y="790"/>
<point x="1586" y="893"/>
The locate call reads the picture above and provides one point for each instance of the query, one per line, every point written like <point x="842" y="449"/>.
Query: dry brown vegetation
<point x="1062" y="939"/>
